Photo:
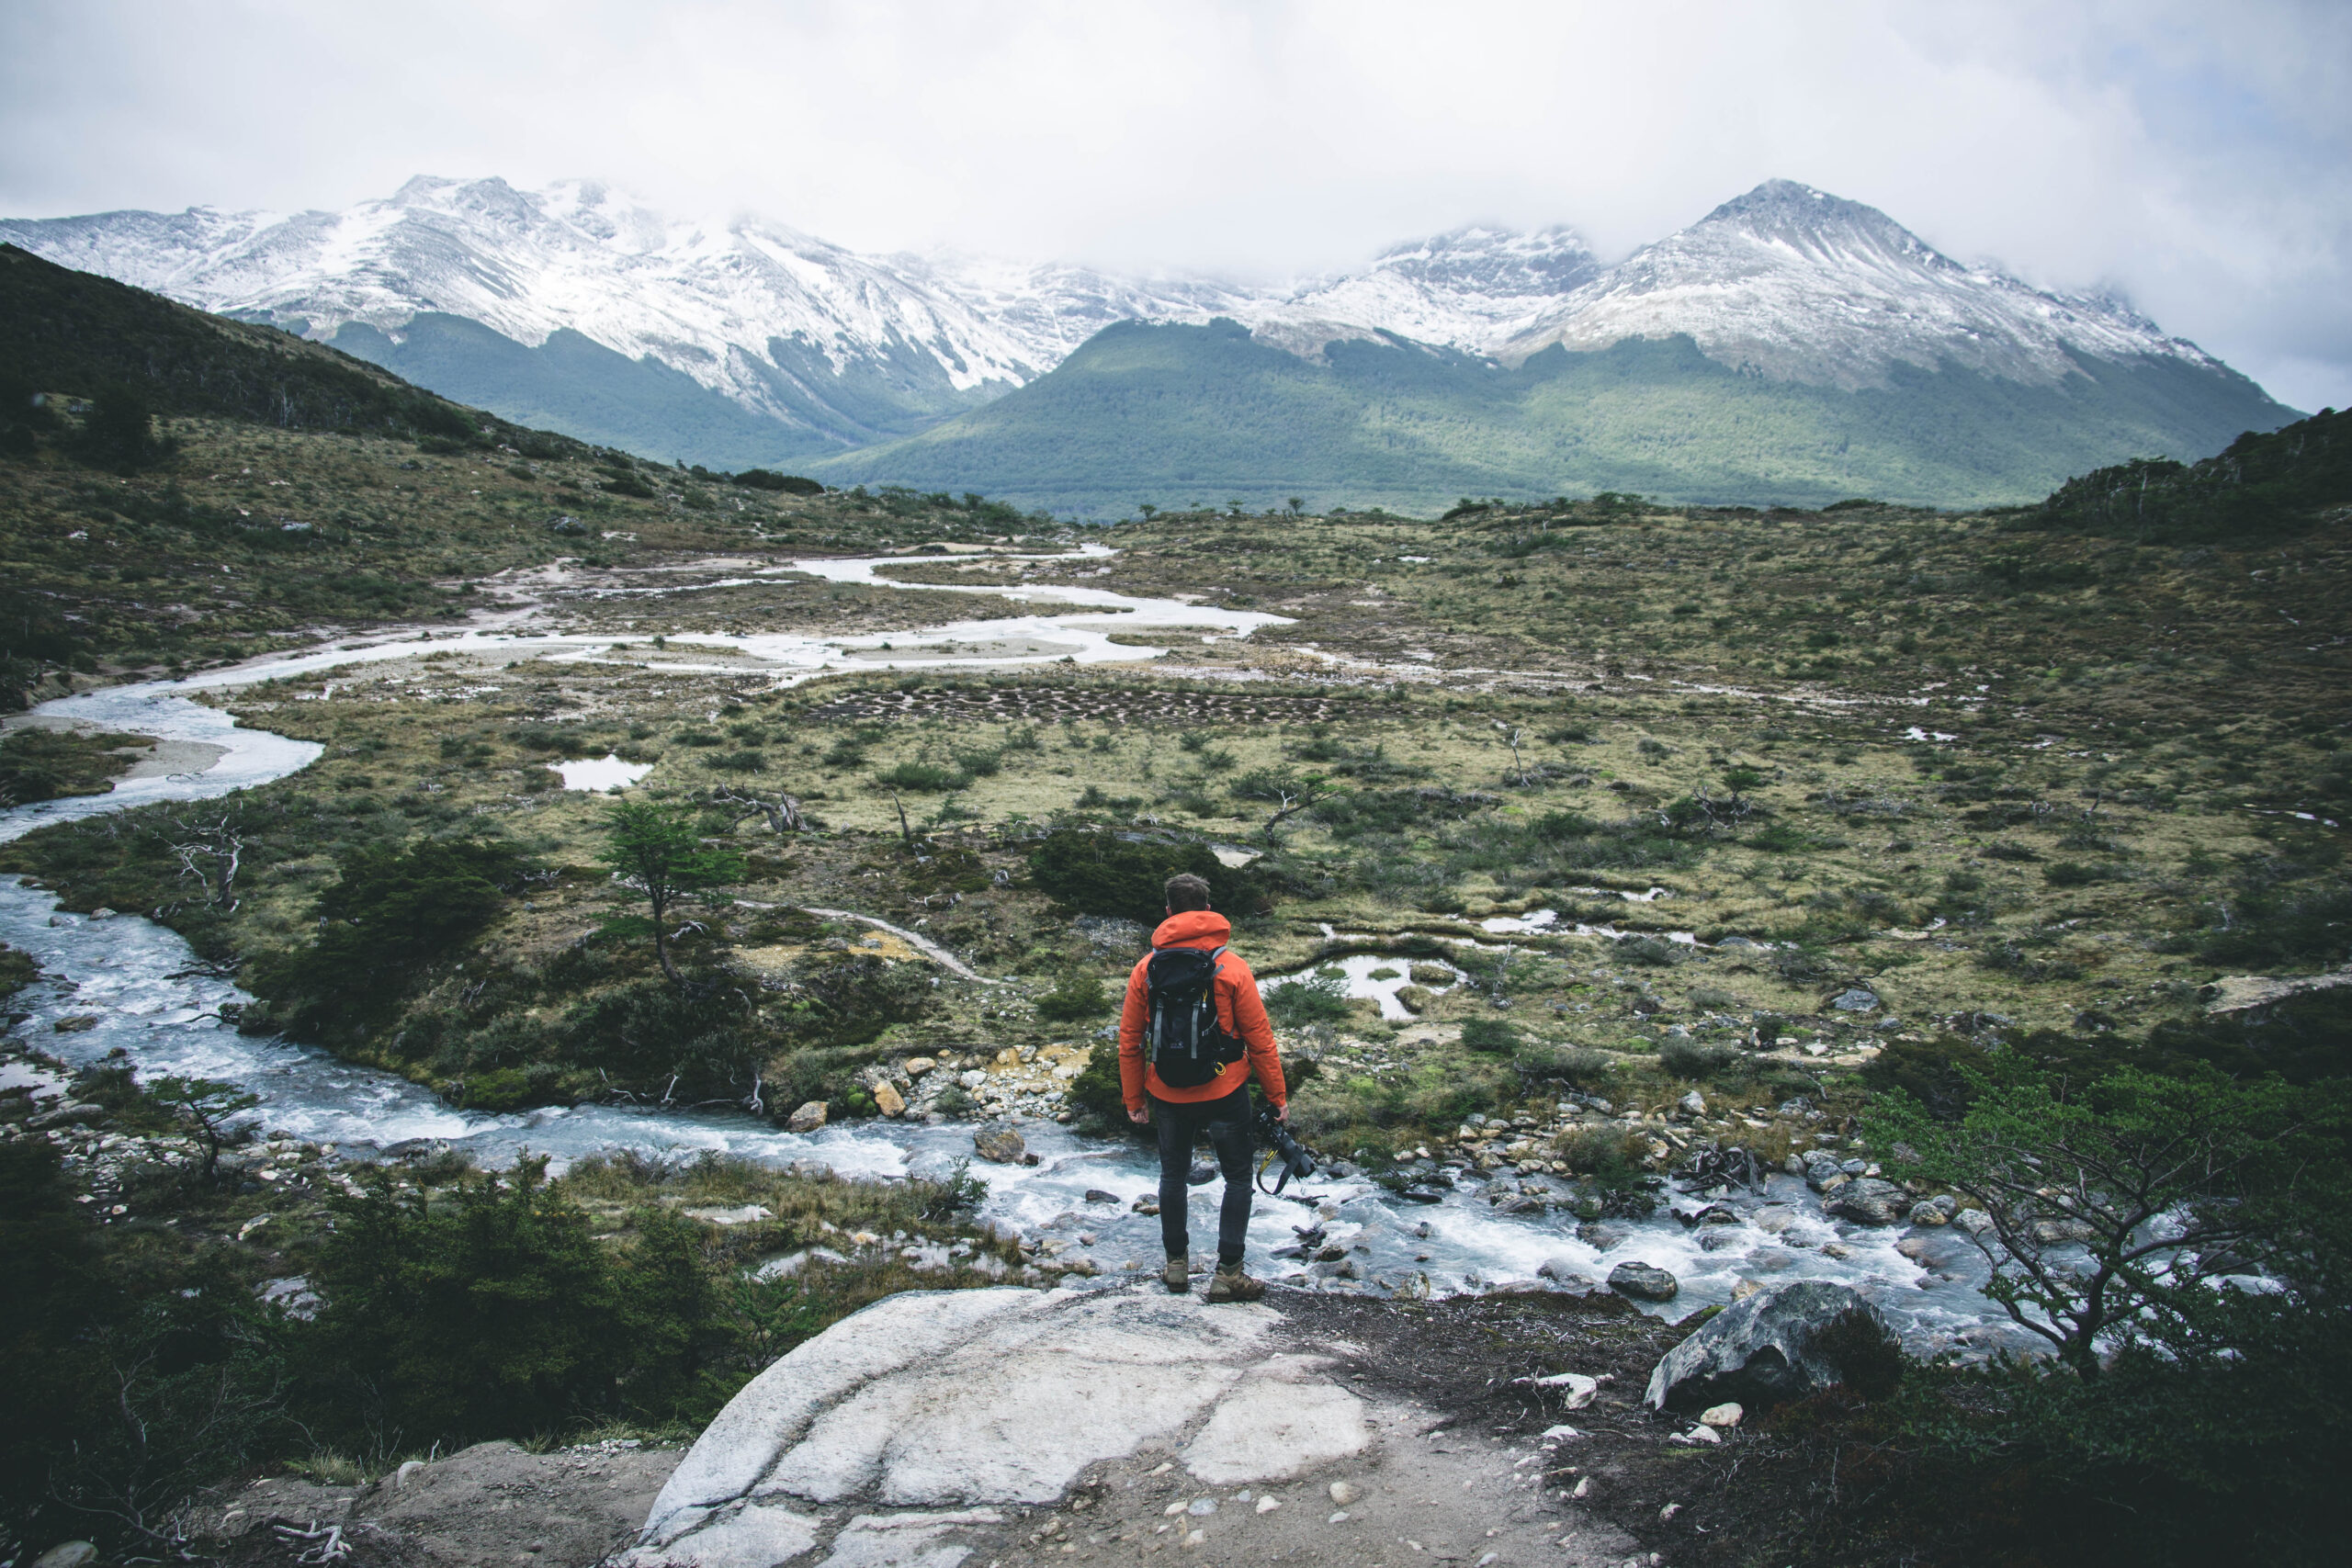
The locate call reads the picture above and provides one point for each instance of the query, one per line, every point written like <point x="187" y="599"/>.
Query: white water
<point x="136" y="978"/>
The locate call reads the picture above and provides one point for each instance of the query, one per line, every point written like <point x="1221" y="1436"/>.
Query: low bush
<point x="1319" y="997"/>
<point x="1697" y="1059"/>
<point x="1077" y="997"/>
<point x="1493" y="1036"/>
<point x="1108" y="874"/>
<point x="925" y="777"/>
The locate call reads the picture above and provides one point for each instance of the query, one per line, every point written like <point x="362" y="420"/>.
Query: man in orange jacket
<point x="1219" y="1106"/>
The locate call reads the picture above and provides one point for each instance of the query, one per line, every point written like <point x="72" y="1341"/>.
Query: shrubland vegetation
<point x="442" y="1305"/>
<point x="1949" y="830"/>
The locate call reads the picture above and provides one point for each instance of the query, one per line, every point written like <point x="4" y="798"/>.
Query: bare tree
<point x="1513" y="736"/>
<point x="209" y="853"/>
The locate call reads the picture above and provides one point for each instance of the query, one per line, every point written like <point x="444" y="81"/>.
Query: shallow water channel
<point x="138" y="980"/>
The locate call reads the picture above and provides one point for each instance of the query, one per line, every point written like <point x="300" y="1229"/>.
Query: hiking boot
<point x="1177" y="1276"/>
<point x="1230" y="1284"/>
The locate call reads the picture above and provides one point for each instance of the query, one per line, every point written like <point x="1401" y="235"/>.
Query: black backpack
<point x="1185" y="1043"/>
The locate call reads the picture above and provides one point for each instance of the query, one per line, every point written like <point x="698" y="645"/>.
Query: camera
<point x="1295" y="1158"/>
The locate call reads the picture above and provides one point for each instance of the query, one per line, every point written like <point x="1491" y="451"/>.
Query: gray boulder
<point x="1868" y="1201"/>
<point x="1000" y="1144"/>
<point x="1757" y="1352"/>
<point x="1644" y="1282"/>
<point x="1821" y="1167"/>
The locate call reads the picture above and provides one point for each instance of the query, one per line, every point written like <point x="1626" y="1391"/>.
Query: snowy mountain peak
<point x="1797" y="285"/>
<point x="841" y="348"/>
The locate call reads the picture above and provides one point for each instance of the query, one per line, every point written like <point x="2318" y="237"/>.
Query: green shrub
<point x="1077" y="997"/>
<point x="1106" y="874"/>
<point x="390" y="914"/>
<point x="1576" y="1064"/>
<point x="497" y="1310"/>
<point x="1494" y="1036"/>
<point x="1096" y="1090"/>
<point x="1697" y="1059"/>
<point x="2305" y="928"/>
<point x="927" y="777"/>
<point x="1319" y="997"/>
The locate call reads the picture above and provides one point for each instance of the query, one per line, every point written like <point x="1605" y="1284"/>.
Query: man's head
<point x="1187" y="892"/>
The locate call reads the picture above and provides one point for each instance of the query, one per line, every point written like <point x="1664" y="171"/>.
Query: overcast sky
<point x="2194" y="154"/>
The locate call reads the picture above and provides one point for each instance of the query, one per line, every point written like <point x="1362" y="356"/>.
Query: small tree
<point x="119" y="431"/>
<point x="2112" y="1207"/>
<point x="657" y="850"/>
<point x="207" y="1105"/>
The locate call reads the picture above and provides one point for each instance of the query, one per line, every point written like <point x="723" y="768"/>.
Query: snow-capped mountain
<point x="718" y="302"/>
<point x="1469" y="289"/>
<point x="745" y="340"/>
<point x="1796" y="285"/>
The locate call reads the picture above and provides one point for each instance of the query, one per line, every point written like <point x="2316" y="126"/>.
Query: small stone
<point x="407" y="1472"/>
<point x="1854" y="1000"/>
<point x="1694" y="1103"/>
<point x="888" y="1100"/>
<point x="808" y="1119"/>
<point x="1096" y="1195"/>
<point x="1000" y="1144"/>
<point x="1703" y="1435"/>
<point x="1668" y="1512"/>
<point x="1743" y="1288"/>
<point x="1644" y="1282"/>
<point x="1344" y="1492"/>
<point x="1201" y="1507"/>
<point x="1583" y="1487"/>
<point x="1722" y="1415"/>
<point x="1973" y="1220"/>
<point x="1268" y="1504"/>
<point x="1173" y="1509"/>
<point x="915" y="1066"/>
<point x="70" y="1554"/>
<point x="1575" y="1389"/>
<point x="1929" y="1214"/>
<point x="1339" y="1519"/>
<point x="1196" y="1538"/>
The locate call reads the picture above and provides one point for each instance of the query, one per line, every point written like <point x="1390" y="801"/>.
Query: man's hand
<point x="1282" y="1111"/>
<point x="1140" y="1115"/>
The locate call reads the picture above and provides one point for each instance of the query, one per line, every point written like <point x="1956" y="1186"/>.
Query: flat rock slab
<point x="936" y="1425"/>
<point x="491" y="1506"/>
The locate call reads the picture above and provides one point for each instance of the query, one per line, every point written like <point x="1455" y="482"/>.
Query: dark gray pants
<point x="1227" y="1122"/>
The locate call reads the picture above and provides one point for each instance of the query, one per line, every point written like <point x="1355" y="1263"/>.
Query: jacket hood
<point x="1193" y="928"/>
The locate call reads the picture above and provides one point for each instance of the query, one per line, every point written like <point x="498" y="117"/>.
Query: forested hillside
<point x="1179" y="415"/>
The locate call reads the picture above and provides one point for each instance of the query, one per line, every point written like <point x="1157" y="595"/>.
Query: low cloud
<point x="2192" y="156"/>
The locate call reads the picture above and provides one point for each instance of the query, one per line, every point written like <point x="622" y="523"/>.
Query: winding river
<point x="139" y="981"/>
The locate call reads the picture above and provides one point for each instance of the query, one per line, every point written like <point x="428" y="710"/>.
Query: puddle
<point x="1373" y="977"/>
<point x="605" y="772"/>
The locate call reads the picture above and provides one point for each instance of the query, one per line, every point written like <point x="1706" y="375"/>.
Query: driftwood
<point x="783" y="813"/>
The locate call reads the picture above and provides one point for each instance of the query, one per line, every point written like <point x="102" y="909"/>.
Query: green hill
<point x="74" y="332"/>
<point x="2277" y="482"/>
<point x="1178" y="414"/>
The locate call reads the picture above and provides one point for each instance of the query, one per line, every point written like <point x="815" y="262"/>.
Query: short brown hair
<point x="1186" y="891"/>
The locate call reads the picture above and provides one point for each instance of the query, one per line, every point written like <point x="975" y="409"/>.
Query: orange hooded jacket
<point x="1239" y="1010"/>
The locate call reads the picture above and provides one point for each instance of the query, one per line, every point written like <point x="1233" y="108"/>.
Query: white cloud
<point x="2194" y="154"/>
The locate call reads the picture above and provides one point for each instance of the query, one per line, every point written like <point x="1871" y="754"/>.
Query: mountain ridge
<point x="745" y="343"/>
